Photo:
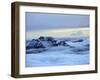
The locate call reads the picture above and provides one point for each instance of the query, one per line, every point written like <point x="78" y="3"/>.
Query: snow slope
<point x="77" y="53"/>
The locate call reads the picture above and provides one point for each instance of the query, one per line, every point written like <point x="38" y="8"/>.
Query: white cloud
<point x="58" y="33"/>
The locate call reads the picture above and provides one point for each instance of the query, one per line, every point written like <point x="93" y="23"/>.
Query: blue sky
<point x="39" y="21"/>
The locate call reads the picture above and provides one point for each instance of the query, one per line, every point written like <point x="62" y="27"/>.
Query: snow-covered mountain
<point x="45" y="43"/>
<point x="55" y="52"/>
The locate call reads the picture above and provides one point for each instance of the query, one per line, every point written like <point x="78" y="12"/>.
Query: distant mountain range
<point x="44" y="43"/>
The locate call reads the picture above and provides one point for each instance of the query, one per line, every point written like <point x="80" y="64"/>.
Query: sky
<point x="44" y="21"/>
<point x="56" y="25"/>
<point x="58" y="33"/>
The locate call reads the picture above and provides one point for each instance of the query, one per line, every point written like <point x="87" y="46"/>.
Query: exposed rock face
<point x="43" y="42"/>
<point x="35" y="43"/>
<point x="42" y="38"/>
<point x="87" y="45"/>
<point x="80" y="50"/>
<point x="63" y="43"/>
<point x="80" y="40"/>
<point x="49" y="40"/>
<point x="54" y="43"/>
<point x="46" y="38"/>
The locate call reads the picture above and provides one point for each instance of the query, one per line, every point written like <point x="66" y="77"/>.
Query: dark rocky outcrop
<point x="87" y="45"/>
<point x="80" y="40"/>
<point x="50" y="40"/>
<point x="54" y="43"/>
<point x="42" y="38"/>
<point x="46" y="38"/>
<point x="80" y="49"/>
<point x="35" y="43"/>
<point x="63" y="43"/>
